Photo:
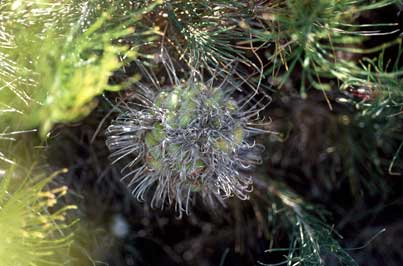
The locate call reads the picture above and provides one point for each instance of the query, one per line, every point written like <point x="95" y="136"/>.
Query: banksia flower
<point x="30" y="234"/>
<point x="192" y="138"/>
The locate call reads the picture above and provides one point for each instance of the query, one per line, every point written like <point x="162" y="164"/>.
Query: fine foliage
<point x="267" y="127"/>
<point x="52" y="72"/>
<point x="30" y="233"/>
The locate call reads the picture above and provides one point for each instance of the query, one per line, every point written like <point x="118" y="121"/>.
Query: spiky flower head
<point x="30" y="234"/>
<point x="191" y="138"/>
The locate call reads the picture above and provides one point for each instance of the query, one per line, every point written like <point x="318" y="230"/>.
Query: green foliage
<point x="312" y="241"/>
<point x="320" y="39"/>
<point x="381" y="84"/>
<point x="56" y="57"/>
<point x="30" y="233"/>
<point x="375" y="129"/>
<point x="52" y="72"/>
<point x="368" y="149"/>
<point x="204" y="34"/>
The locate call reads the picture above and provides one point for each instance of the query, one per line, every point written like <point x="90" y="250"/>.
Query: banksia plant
<point x="192" y="137"/>
<point x="30" y="233"/>
<point x="234" y="115"/>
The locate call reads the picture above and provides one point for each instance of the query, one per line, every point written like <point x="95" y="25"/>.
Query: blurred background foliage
<point x="52" y="50"/>
<point x="31" y="222"/>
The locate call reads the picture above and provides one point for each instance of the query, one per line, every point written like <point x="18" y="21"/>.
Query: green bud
<point x="150" y="139"/>
<point x="200" y="164"/>
<point x="218" y="96"/>
<point x="173" y="148"/>
<point x="185" y="119"/>
<point x="171" y="119"/>
<point x="155" y="163"/>
<point x="222" y="145"/>
<point x="239" y="135"/>
<point x="159" y="101"/>
<point x="158" y="132"/>
<point x="231" y="106"/>
<point x="173" y="100"/>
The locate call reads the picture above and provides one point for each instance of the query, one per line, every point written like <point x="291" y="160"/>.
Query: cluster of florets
<point x="192" y="139"/>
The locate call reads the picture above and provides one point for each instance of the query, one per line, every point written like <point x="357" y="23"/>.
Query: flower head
<point x="192" y="138"/>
